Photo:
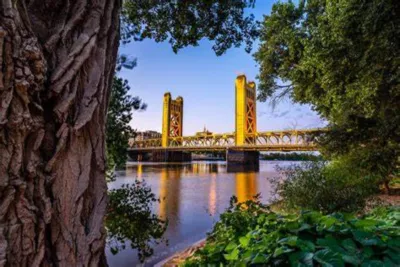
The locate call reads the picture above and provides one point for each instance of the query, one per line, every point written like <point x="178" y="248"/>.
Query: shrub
<point x="249" y="234"/>
<point x="324" y="187"/>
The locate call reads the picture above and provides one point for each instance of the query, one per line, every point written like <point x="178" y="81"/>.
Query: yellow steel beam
<point x="172" y="124"/>
<point x="166" y="120"/>
<point x="245" y="111"/>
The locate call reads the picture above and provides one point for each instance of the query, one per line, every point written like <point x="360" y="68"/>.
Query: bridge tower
<point x="172" y="119"/>
<point x="245" y="106"/>
<point x="245" y="127"/>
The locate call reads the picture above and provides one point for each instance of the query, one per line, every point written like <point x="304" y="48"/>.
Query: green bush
<point x="326" y="187"/>
<point x="250" y="234"/>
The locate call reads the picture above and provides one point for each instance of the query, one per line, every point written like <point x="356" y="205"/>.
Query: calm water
<point x="192" y="197"/>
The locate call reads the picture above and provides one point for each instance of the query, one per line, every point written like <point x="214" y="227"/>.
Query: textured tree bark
<point x="57" y="60"/>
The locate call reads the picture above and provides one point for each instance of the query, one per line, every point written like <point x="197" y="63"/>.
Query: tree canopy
<point x="343" y="58"/>
<point x="185" y="23"/>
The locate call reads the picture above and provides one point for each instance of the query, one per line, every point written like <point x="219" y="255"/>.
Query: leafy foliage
<point x="119" y="116"/>
<point x="317" y="185"/>
<point x="130" y="219"/>
<point x="185" y="22"/>
<point x="343" y="57"/>
<point x="250" y="234"/>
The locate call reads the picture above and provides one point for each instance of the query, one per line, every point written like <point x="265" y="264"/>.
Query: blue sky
<point x="206" y="83"/>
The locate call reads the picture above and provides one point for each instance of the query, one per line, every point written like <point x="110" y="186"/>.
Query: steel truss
<point x="295" y="140"/>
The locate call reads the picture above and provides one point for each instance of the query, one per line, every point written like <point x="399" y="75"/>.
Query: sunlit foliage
<point x="249" y="234"/>
<point x="343" y="58"/>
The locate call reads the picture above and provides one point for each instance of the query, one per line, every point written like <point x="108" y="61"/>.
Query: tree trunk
<point x="57" y="61"/>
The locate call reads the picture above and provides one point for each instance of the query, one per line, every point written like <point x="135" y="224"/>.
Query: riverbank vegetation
<point x="325" y="187"/>
<point x="250" y="233"/>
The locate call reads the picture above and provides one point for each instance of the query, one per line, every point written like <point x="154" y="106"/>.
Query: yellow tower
<point x="245" y="119"/>
<point x="172" y="119"/>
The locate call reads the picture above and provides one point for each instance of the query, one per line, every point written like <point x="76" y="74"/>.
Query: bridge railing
<point x="298" y="139"/>
<point x="156" y="142"/>
<point x="211" y="140"/>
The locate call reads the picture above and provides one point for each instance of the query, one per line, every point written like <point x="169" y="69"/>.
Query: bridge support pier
<point x="170" y="156"/>
<point x="242" y="160"/>
<point x="138" y="156"/>
<point x="160" y="156"/>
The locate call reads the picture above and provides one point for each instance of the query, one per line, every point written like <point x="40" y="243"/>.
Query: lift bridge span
<point x="244" y="144"/>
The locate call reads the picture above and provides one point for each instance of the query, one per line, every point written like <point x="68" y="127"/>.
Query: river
<point x="192" y="197"/>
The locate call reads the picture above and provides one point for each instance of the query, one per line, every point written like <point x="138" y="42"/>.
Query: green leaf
<point x="304" y="226"/>
<point x="331" y="243"/>
<point x="328" y="258"/>
<point x="365" y="223"/>
<point x="349" y="245"/>
<point x="260" y="258"/>
<point x="389" y="263"/>
<point x="292" y="225"/>
<point x="230" y="246"/>
<point x="374" y="263"/>
<point x="365" y="238"/>
<point x="247" y="256"/>
<point x="291" y="241"/>
<point x="301" y="258"/>
<point x="234" y="255"/>
<point x="305" y="245"/>
<point x="352" y="259"/>
<point x="394" y="243"/>
<point x="281" y="250"/>
<point x="244" y="241"/>
<point x="367" y="252"/>
<point x="328" y="221"/>
<point x="393" y="255"/>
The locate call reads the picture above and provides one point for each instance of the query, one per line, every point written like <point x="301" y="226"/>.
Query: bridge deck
<point x="239" y="148"/>
<point x="290" y="140"/>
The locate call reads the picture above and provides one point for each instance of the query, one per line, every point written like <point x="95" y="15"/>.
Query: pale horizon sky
<point x="206" y="83"/>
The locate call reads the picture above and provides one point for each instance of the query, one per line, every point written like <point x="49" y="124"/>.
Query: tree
<point x="57" y="66"/>
<point x="343" y="57"/>
<point x="119" y="115"/>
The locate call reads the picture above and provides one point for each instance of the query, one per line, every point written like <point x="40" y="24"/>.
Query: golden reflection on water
<point x="139" y="171"/>
<point x="169" y="193"/>
<point x="246" y="185"/>
<point x="162" y="212"/>
<point x="204" y="168"/>
<point x="212" y="195"/>
<point x="170" y="183"/>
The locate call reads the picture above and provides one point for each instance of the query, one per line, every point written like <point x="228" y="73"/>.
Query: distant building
<point x="140" y="136"/>
<point x="205" y="132"/>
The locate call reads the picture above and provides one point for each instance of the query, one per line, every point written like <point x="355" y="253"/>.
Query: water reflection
<point x="192" y="197"/>
<point x="170" y="179"/>
<point x="170" y="186"/>
<point x="212" y="195"/>
<point x="246" y="186"/>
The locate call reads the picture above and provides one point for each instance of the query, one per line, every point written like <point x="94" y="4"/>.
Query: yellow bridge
<point x="245" y="137"/>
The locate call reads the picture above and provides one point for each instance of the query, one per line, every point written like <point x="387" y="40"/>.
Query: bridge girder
<point x="296" y="140"/>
